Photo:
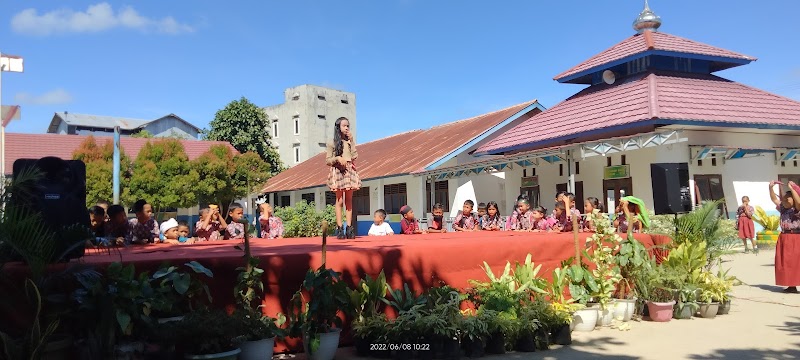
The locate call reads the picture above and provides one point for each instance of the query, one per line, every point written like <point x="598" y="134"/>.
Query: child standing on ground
<point x="745" y="225"/>
<point x="143" y="228"/>
<point x="466" y="220"/>
<point x="409" y="225"/>
<point x="436" y="222"/>
<point x="787" y="250"/>
<point x="271" y="225"/>
<point x="235" y="229"/>
<point x="380" y="227"/>
<point x="343" y="178"/>
<point x="491" y="220"/>
<point x="210" y="225"/>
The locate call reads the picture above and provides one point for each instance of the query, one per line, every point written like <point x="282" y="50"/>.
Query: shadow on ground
<point x="772" y="288"/>
<point x="747" y="354"/>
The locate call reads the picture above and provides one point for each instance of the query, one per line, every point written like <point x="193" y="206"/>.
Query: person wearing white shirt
<point x="380" y="227"/>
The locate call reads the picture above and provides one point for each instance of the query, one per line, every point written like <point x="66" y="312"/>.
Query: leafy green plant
<point x="705" y="224"/>
<point x="404" y="299"/>
<point x="32" y="345"/>
<point x="768" y="222"/>
<point x="442" y="319"/>
<point x="606" y="274"/>
<point x="474" y="326"/>
<point x="206" y="332"/>
<point x="375" y="327"/>
<point x="301" y="219"/>
<point x="581" y="283"/>
<point x="661" y="295"/>
<point x="632" y="259"/>
<point x="368" y="295"/>
<point x="526" y="275"/>
<point x="255" y="326"/>
<point x="687" y="297"/>
<point x="327" y="295"/>
<point x="177" y="292"/>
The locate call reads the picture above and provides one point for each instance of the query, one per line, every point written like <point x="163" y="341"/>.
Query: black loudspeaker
<point x="59" y="195"/>
<point x="671" y="188"/>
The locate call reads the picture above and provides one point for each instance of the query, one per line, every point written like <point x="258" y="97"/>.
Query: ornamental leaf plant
<point x="606" y="274"/>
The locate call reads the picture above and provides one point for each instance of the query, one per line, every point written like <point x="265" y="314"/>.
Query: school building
<point x="652" y="98"/>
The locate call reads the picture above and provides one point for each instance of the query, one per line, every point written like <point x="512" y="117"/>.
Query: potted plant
<point x="368" y="295"/>
<point x="528" y="326"/>
<point x="767" y="237"/>
<point x="711" y="293"/>
<point x="176" y="293"/>
<point x="660" y="304"/>
<point x="503" y="331"/>
<point x="727" y="283"/>
<point x="560" y="314"/>
<point x="439" y="323"/>
<point x="206" y="334"/>
<point x="581" y="285"/>
<point x="317" y="319"/>
<point x="403" y="332"/>
<point x="372" y="332"/>
<point x="686" y="302"/>
<point x="259" y="333"/>
<point x="502" y="294"/>
<point x="632" y="259"/>
<point x="605" y="242"/>
<point x="474" y="331"/>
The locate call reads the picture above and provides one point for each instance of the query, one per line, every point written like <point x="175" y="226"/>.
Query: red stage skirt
<point x="747" y="230"/>
<point x="787" y="260"/>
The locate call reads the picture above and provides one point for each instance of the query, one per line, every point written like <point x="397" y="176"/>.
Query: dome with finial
<point x="647" y="20"/>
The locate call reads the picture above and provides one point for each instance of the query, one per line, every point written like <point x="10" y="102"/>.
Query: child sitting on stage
<point x="491" y="220"/>
<point x="562" y="222"/>
<point x="210" y="224"/>
<point x="628" y="219"/>
<point x="515" y="211"/>
<point x="539" y="221"/>
<point x="143" y="228"/>
<point x="170" y="233"/>
<point x="97" y="217"/>
<point x="523" y="221"/>
<point x="184" y="231"/>
<point x="117" y="227"/>
<point x="235" y="229"/>
<point x="271" y="225"/>
<point x="380" y="227"/>
<point x="481" y="214"/>
<point x="409" y="225"/>
<point x="589" y="206"/>
<point x="436" y="222"/>
<point x="466" y="220"/>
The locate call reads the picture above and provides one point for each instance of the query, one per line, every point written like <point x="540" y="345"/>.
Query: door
<point x="709" y="188"/>
<point x="578" y="193"/>
<point x="616" y="189"/>
<point x="533" y="194"/>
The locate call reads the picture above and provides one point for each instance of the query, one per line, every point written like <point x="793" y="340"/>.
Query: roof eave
<point x="576" y="77"/>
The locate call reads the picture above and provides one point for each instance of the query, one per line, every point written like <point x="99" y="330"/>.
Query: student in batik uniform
<point x="143" y="229"/>
<point x="466" y="220"/>
<point x="787" y="250"/>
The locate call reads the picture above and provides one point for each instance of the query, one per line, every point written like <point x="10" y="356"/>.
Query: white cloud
<point x="55" y="97"/>
<point x="96" y="18"/>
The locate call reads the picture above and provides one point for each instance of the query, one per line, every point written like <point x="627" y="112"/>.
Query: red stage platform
<point x="422" y="261"/>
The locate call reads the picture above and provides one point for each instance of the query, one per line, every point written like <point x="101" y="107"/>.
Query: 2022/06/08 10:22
<point x="399" y="347"/>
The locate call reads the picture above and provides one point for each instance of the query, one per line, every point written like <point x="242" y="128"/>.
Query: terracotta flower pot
<point x="660" y="312"/>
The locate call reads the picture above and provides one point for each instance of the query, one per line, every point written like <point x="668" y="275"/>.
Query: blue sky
<point x="411" y="63"/>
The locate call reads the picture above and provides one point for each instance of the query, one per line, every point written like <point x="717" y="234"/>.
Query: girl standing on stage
<point x="744" y="223"/>
<point x="787" y="251"/>
<point x="343" y="178"/>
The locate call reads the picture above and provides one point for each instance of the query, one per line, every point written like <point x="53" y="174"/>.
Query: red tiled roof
<point x="603" y="111"/>
<point x="648" y="41"/>
<point x="395" y="155"/>
<point x="35" y="146"/>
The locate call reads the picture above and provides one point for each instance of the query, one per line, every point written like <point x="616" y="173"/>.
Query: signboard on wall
<point x="617" y="172"/>
<point x="530" y="181"/>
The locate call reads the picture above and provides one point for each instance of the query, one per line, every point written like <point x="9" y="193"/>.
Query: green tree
<point x="160" y="175"/>
<point x="222" y="176"/>
<point x="144" y="134"/>
<point x="245" y="126"/>
<point x="99" y="169"/>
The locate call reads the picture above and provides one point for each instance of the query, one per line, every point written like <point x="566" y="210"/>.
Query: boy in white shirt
<point x="380" y="228"/>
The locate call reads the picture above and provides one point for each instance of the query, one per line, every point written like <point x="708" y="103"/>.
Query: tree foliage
<point x="303" y="219"/>
<point x="100" y="167"/>
<point x="222" y="177"/>
<point x="246" y="127"/>
<point x="161" y="175"/>
<point x="144" y="134"/>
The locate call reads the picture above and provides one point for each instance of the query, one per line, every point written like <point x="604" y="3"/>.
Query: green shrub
<point x="303" y="219"/>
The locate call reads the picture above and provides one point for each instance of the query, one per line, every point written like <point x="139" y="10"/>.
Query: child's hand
<point x="120" y="241"/>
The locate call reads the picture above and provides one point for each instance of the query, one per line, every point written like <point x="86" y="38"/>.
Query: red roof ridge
<point x="648" y="40"/>
<point x="653" y="89"/>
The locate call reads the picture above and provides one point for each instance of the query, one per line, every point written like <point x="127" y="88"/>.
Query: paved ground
<point x="764" y="323"/>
